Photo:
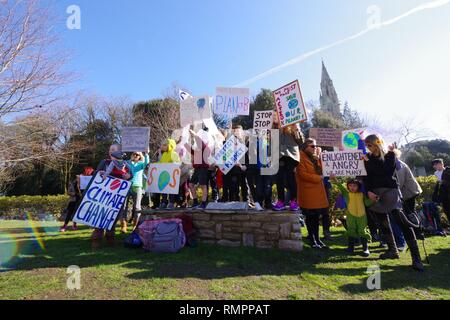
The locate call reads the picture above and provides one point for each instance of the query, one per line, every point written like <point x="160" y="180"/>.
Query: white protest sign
<point x="232" y="151"/>
<point x="84" y="181"/>
<point x="353" y="139"/>
<point x="183" y="95"/>
<point x="343" y="163"/>
<point x="194" y="109"/>
<point x="289" y="104"/>
<point x="135" y="139"/>
<point x="263" y="120"/>
<point x="232" y="101"/>
<point x="164" y="178"/>
<point x="102" y="202"/>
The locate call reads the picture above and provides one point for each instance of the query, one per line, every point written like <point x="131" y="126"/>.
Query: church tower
<point x="329" y="101"/>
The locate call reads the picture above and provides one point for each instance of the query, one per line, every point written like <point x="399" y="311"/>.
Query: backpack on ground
<point x="133" y="240"/>
<point x="429" y="218"/>
<point x="165" y="235"/>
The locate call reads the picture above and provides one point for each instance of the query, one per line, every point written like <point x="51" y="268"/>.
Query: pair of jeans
<point x="397" y="231"/>
<point x="264" y="190"/>
<point x="136" y="195"/>
<point x="286" y="174"/>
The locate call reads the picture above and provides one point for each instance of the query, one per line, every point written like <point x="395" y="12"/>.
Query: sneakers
<point x="279" y="206"/>
<point x="402" y="249"/>
<point x="63" y="229"/>
<point x="293" y="206"/>
<point x="258" y="207"/>
<point x="366" y="253"/>
<point x="170" y="206"/>
<point x="74" y="227"/>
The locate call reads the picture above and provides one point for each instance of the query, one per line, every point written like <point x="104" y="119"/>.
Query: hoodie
<point x="170" y="156"/>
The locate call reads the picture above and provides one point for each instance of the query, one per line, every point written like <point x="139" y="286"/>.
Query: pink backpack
<point x="163" y="235"/>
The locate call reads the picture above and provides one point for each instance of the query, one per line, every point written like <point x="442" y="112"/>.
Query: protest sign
<point x="135" y="139"/>
<point x="289" y="104"/>
<point x="193" y="109"/>
<point x="263" y="120"/>
<point x="353" y="139"/>
<point x="183" y="95"/>
<point x="164" y="178"/>
<point x="343" y="163"/>
<point x="84" y="182"/>
<point x="232" y="151"/>
<point x="232" y="101"/>
<point x="326" y="137"/>
<point x="102" y="202"/>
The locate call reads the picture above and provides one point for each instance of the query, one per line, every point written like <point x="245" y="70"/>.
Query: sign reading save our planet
<point x="102" y="202"/>
<point x="289" y="104"/>
<point x="164" y="178"/>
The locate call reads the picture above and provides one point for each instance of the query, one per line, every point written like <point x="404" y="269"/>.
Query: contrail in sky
<point x="304" y="56"/>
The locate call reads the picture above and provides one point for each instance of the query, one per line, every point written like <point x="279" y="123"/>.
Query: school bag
<point x="429" y="218"/>
<point x="164" y="235"/>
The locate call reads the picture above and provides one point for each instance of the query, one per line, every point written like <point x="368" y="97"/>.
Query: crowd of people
<point x="379" y="207"/>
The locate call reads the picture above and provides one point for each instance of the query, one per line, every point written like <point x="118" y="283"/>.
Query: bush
<point x="21" y="206"/>
<point x="427" y="184"/>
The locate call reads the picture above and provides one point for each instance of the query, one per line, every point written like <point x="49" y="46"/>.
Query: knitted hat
<point x="117" y="154"/>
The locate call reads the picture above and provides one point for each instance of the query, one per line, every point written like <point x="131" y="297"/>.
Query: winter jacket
<point x="137" y="168"/>
<point x="170" y="156"/>
<point x="311" y="192"/>
<point x="380" y="174"/>
<point x="409" y="186"/>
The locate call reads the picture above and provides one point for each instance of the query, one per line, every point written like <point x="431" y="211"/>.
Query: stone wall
<point x="233" y="228"/>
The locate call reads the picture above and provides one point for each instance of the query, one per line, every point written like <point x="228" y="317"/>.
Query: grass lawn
<point x="39" y="270"/>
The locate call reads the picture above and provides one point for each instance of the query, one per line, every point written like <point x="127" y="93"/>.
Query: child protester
<point x="356" y="214"/>
<point x="169" y="155"/>
<point x="138" y="162"/>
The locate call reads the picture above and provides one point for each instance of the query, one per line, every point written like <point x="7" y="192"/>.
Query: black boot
<point x="351" y="245"/>
<point x="309" y="226"/>
<point x="365" y="247"/>
<point x="392" y="252"/>
<point x="415" y="255"/>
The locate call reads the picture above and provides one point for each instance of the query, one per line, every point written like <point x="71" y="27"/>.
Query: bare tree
<point x="30" y="59"/>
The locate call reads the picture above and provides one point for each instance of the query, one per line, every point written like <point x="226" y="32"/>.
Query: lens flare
<point x="35" y="231"/>
<point x="8" y="250"/>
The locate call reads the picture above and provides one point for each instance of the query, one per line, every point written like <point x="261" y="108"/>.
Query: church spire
<point x="329" y="101"/>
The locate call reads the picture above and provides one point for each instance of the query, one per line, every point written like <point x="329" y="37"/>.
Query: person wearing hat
<point x="137" y="163"/>
<point x="356" y="214"/>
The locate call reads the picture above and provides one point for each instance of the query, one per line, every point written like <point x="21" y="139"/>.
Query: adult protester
<point x="290" y="138"/>
<point x="138" y="163"/>
<point x="383" y="189"/>
<point x="115" y="150"/>
<point x="75" y="191"/>
<point x="438" y="165"/>
<point x="311" y="195"/>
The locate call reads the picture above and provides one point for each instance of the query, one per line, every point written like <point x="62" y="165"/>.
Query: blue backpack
<point x="133" y="241"/>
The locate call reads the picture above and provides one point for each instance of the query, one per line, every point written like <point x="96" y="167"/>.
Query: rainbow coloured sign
<point x="102" y="202"/>
<point x="164" y="178"/>
<point x="353" y="139"/>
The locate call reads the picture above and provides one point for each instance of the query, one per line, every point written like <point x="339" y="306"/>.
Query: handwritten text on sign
<point x="164" y="178"/>
<point x="343" y="163"/>
<point x="289" y="104"/>
<point x="232" y="101"/>
<point x="263" y="120"/>
<point x="135" y="139"/>
<point x="102" y="202"/>
<point x="194" y="109"/>
<point x="232" y="151"/>
<point x="326" y="137"/>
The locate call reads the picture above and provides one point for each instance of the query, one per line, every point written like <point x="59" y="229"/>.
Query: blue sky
<point x="139" y="48"/>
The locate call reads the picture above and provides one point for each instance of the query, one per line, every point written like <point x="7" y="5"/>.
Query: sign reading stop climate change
<point x="343" y="163"/>
<point x="289" y="104"/>
<point x="164" y="178"/>
<point x="102" y="202"/>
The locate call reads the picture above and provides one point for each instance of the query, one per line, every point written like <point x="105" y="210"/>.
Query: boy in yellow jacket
<point x="168" y="155"/>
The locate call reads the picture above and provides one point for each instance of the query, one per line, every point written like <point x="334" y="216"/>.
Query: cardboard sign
<point x="326" y="137"/>
<point x="232" y="101"/>
<point x="193" y="109"/>
<point x="289" y="104"/>
<point x="353" y="139"/>
<point x="102" y="202"/>
<point x="263" y="120"/>
<point x="232" y="151"/>
<point x="343" y="163"/>
<point x="84" y="181"/>
<point x="135" y="139"/>
<point x="164" y="178"/>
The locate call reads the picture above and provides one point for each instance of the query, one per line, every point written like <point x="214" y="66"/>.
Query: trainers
<point x="74" y="227"/>
<point x="63" y="229"/>
<point x="293" y="206"/>
<point x="170" y="206"/>
<point x="279" y="206"/>
<point x="401" y="249"/>
<point x="366" y="253"/>
<point x="258" y="207"/>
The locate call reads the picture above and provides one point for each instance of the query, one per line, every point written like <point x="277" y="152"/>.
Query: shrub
<point x="21" y="206"/>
